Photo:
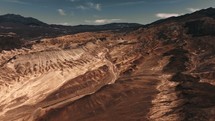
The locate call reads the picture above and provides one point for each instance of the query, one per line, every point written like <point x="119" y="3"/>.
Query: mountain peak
<point x="18" y="19"/>
<point x="203" y="13"/>
<point x="209" y="12"/>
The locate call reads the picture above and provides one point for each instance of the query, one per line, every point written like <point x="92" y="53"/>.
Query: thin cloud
<point x="129" y="3"/>
<point x="102" y="21"/>
<point x="193" y="9"/>
<point x="90" y="5"/>
<point x="61" y="12"/>
<point x="125" y="3"/>
<point x="64" y="24"/>
<point x="167" y="15"/>
<point x="82" y="7"/>
<point x="94" y="5"/>
<point x="16" y="1"/>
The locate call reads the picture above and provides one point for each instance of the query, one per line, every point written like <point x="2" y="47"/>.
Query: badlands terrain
<point x="164" y="71"/>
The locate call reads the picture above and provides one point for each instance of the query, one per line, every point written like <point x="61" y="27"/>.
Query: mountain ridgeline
<point x="24" y="26"/>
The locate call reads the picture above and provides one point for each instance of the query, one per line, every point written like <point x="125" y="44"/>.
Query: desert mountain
<point x="28" y="27"/>
<point x="163" y="71"/>
<point x="18" y="19"/>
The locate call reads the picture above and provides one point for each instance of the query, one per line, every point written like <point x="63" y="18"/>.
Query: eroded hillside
<point x="161" y="72"/>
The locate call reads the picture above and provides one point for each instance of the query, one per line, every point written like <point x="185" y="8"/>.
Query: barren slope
<point x="162" y="72"/>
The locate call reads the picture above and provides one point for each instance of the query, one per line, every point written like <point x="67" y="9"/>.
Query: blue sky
<point x="74" y="12"/>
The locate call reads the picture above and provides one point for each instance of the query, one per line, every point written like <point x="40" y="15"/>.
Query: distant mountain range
<point x="28" y="27"/>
